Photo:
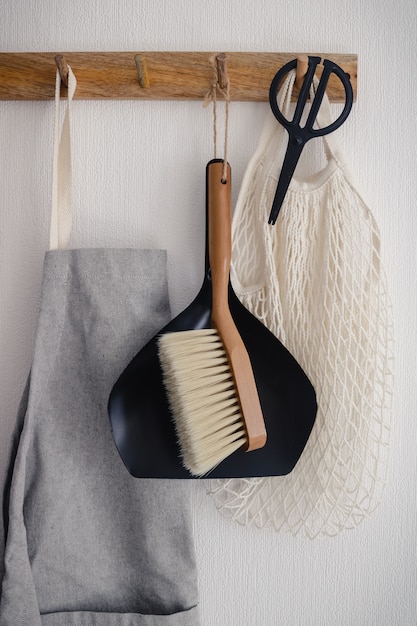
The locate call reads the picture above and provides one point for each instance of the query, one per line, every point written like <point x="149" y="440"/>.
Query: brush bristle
<point x="202" y="396"/>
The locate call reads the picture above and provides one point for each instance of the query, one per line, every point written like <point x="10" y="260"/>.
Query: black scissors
<point x="299" y="135"/>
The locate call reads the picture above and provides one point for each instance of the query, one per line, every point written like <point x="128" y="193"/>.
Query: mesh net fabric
<point x="315" y="279"/>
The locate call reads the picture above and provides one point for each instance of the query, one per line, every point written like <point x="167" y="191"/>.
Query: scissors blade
<point x="292" y="155"/>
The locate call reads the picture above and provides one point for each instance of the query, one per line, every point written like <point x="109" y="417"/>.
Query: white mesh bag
<point x="315" y="280"/>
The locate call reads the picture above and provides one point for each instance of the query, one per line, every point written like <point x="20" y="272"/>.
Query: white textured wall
<point x="139" y="181"/>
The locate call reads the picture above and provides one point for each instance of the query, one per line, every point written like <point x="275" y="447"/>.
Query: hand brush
<point x="207" y="372"/>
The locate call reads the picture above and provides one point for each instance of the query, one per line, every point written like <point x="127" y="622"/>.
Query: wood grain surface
<point x="165" y="75"/>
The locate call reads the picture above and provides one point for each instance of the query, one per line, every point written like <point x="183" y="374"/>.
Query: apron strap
<point x="61" y="214"/>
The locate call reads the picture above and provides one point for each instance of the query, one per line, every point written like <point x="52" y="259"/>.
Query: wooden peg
<point x="142" y="68"/>
<point x="62" y="68"/>
<point x="301" y="70"/>
<point x="221" y="68"/>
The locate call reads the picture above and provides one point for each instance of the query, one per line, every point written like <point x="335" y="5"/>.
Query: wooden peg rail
<point x="153" y="75"/>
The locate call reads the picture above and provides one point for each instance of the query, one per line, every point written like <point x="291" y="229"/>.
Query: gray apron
<point x="88" y="544"/>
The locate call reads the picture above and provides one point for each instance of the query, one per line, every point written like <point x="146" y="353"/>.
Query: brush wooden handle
<point x="220" y="250"/>
<point x="219" y="237"/>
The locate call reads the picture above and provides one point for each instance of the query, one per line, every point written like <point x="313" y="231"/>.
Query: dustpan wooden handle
<point x="220" y="250"/>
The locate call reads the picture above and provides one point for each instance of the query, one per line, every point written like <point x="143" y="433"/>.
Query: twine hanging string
<point x="220" y="86"/>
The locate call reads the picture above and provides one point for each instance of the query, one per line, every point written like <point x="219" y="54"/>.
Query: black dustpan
<point x="142" y="425"/>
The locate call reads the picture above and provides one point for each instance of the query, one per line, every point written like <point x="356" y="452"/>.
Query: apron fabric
<point x="87" y="543"/>
<point x="316" y="280"/>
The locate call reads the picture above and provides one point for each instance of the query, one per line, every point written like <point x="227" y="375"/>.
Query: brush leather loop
<point x="220" y="248"/>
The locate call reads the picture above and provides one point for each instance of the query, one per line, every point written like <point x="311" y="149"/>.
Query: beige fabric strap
<point x="61" y="214"/>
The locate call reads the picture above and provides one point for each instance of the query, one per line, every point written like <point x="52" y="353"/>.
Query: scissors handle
<point x="307" y="131"/>
<point x="299" y="135"/>
<point x="329" y="67"/>
<point x="303" y="95"/>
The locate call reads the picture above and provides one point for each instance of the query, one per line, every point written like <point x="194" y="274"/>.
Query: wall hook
<point x="221" y="69"/>
<point x="62" y="68"/>
<point x="163" y="75"/>
<point x="142" y="68"/>
<point x="301" y="70"/>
